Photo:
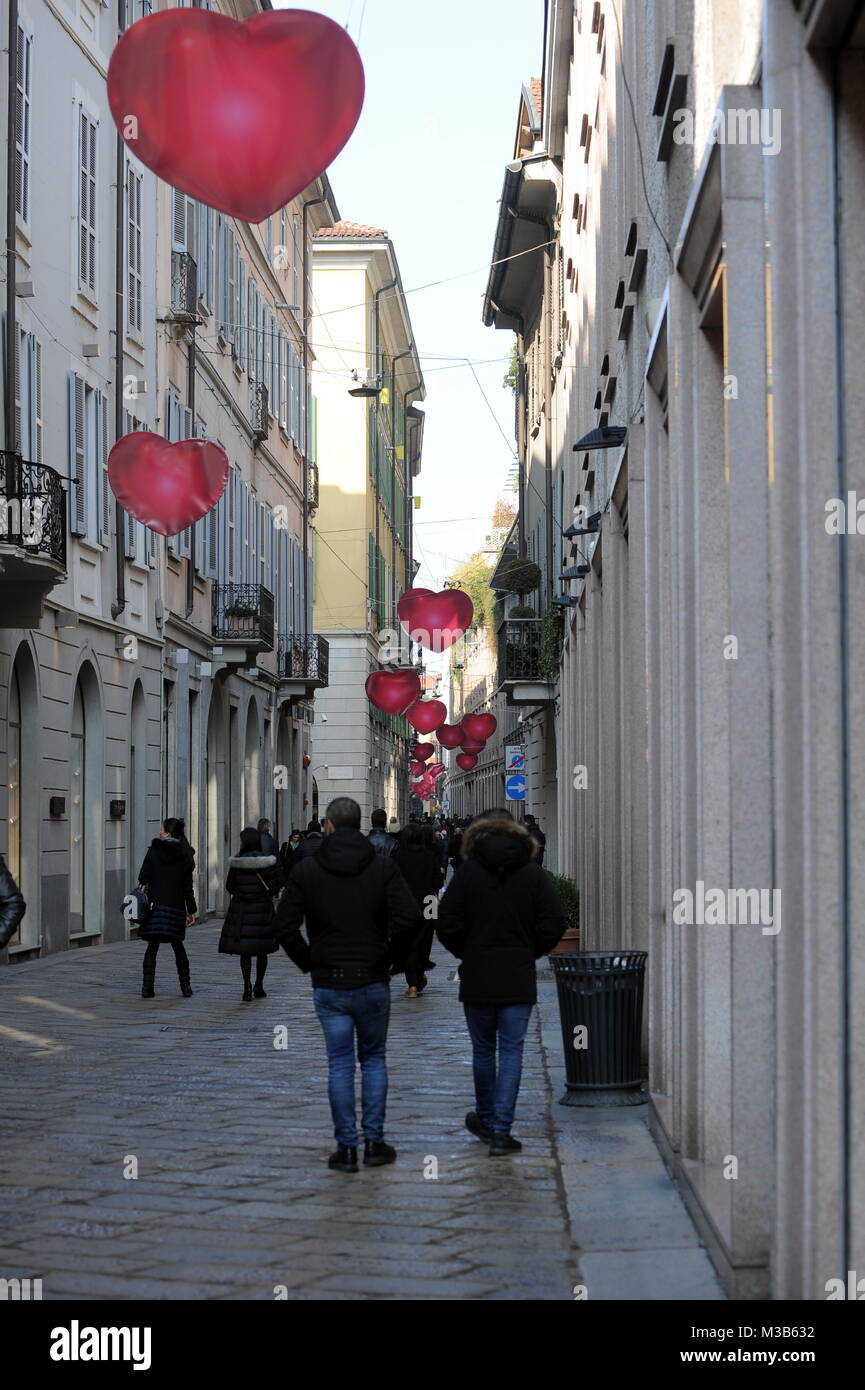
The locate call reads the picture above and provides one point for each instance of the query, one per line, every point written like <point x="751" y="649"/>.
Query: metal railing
<point x="243" y="613"/>
<point x="305" y="659"/>
<point x="312" y="493"/>
<point x="520" y="650"/>
<point x="184" y="287"/>
<point x="32" y="507"/>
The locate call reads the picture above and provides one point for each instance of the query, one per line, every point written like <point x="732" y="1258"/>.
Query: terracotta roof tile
<point x="537" y="96"/>
<point x="351" y="231"/>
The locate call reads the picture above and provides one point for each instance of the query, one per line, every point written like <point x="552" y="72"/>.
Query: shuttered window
<point x="134" y="187"/>
<point x="86" y="203"/>
<point x="23" y="79"/>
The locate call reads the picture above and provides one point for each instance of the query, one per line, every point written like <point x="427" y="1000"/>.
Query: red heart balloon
<point x="466" y="761"/>
<point x="417" y="769"/>
<point x="473" y="745"/>
<point x="393" y="691"/>
<point x="435" y="621"/>
<point x="480" y="725"/>
<point x="423" y="751"/>
<point x="167" y="486"/>
<point x="426" y="715"/>
<point x="450" y="735"/>
<point x="436" y="769"/>
<point x="242" y="115"/>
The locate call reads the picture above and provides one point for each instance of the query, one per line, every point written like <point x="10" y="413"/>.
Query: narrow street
<point x="230" y="1134"/>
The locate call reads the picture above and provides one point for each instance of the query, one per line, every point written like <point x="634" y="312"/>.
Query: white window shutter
<point x="77" y="469"/>
<point x="106" y="496"/>
<point x="37" y="401"/>
<point x="239" y="309"/>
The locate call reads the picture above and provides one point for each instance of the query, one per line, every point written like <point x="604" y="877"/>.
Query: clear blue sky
<point x="426" y="162"/>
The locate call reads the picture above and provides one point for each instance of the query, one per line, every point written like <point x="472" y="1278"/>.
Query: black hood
<point x="168" y="851"/>
<point x="500" y="846"/>
<point x="346" y="853"/>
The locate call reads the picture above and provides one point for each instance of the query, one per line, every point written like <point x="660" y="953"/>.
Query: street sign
<point x="515" y="788"/>
<point x="515" y="757"/>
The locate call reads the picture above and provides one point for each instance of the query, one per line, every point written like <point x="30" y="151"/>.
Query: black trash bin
<point x="601" y="992"/>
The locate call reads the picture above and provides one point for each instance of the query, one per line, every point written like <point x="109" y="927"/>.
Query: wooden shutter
<point x="87" y="202"/>
<point x="239" y="308"/>
<point x="23" y="71"/>
<point x="104" y="492"/>
<point x="77" y="463"/>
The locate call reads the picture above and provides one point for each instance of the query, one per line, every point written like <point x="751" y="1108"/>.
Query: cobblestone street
<point x="230" y="1134"/>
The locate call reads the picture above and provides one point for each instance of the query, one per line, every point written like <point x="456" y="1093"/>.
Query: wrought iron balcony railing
<point x="305" y="659"/>
<point x="243" y="613"/>
<point x="520" y="651"/>
<point x="312" y="493"/>
<point x="32" y="508"/>
<point x="184" y="287"/>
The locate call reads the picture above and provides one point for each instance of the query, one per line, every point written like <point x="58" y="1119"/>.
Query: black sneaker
<point x="478" y="1128"/>
<point x="376" y="1153"/>
<point x="344" y="1160"/>
<point x="504" y="1144"/>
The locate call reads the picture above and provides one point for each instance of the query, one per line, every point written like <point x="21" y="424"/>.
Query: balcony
<point x="312" y="492"/>
<point x="184" y="287"/>
<point x="303" y="665"/>
<point x="521" y="673"/>
<point x="32" y="538"/>
<point x="243" y="617"/>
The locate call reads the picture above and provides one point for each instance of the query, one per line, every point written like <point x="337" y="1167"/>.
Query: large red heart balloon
<point x="480" y="725"/>
<point x="435" y="621"/>
<point x="435" y="770"/>
<point x="473" y="745"/>
<point x="240" y="115"/>
<point x="393" y="691"/>
<point x="423" y="751"/>
<point x="417" y="769"/>
<point x="466" y="761"/>
<point x="167" y="486"/>
<point x="426" y="715"/>
<point x="450" y="735"/>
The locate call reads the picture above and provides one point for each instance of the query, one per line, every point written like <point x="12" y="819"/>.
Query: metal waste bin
<point x="601" y="1010"/>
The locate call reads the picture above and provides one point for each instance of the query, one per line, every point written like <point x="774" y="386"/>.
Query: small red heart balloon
<point x="473" y="745"/>
<point x="426" y="715"/>
<point x="417" y="769"/>
<point x="423" y="751"/>
<point x="436" y="769"/>
<point x="450" y="735"/>
<point x="466" y="761"/>
<point x="242" y="115"/>
<point x="480" y="725"/>
<point x="435" y="621"/>
<point x="393" y="691"/>
<point x="167" y="486"/>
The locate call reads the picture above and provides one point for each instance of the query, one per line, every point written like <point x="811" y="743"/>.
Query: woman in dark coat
<point x="499" y="915"/>
<point x="12" y="905"/>
<point x="254" y="879"/>
<point x="419" y="865"/>
<point x="167" y="875"/>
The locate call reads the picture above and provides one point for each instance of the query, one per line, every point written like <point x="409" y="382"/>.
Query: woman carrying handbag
<point x="166" y="874"/>
<point x="254" y="880"/>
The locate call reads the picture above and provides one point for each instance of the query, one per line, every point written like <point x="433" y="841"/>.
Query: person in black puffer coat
<point x="12" y="905"/>
<point x="419" y="863"/>
<point x="500" y="913"/>
<point x="167" y="875"/>
<point x="254" y="879"/>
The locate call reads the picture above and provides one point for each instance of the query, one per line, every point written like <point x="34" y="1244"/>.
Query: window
<point x="239" y="334"/>
<point x="134" y="186"/>
<point x="28" y="401"/>
<point x="296" y="260"/>
<point x="179" y="425"/>
<point x="90" y="510"/>
<point x="267" y="326"/>
<point x="139" y="541"/>
<point x="24" y="67"/>
<point x="86" y="203"/>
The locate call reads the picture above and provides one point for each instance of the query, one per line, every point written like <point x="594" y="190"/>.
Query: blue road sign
<point x="515" y="788"/>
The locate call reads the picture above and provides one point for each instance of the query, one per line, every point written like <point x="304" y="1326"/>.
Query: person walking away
<point x="311" y="842"/>
<point x="254" y="879"/>
<point x="378" y="837"/>
<point x="500" y="914"/>
<point x="268" y="843"/>
<point x="538" y="835"/>
<point x="166" y="873"/>
<point x="12" y="905"/>
<point x="419" y="865"/>
<point x="361" y="921"/>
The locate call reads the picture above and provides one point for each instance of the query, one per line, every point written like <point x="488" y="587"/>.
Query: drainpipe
<point x="409" y="530"/>
<point x="11" y="170"/>
<point x="190" y="398"/>
<point x="119" y="603"/>
<point x="548" y="415"/>
<point x="522" y="435"/>
<point x="406" y="353"/>
<point x="310" y="203"/>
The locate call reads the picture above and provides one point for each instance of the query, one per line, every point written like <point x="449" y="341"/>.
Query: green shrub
<point x="569" y="897"/>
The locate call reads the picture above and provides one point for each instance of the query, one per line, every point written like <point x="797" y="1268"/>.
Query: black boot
<point x="149" y="977"/>
<point x="183" y="977"/>
<point x="344" y="1160"/>
<point x="376" y="1153"/>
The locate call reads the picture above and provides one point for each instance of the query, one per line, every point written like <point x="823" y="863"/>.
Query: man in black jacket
<point x="361" y="921"/>
<point x="12" y="905"/>
<point x="311" y="843"/>
<point x="378" y="837"/>
<point x="499" y="915"/>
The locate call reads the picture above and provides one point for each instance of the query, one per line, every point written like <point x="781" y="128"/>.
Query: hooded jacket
<point x="500" y="914"/>
<point x="361" y="918"/>
<point x="310" y="845"/>
<point x="253" y="882"/>
<point x="382" y="842"/>
<point x="167" y="875"/>
<point x="12" y="905"/>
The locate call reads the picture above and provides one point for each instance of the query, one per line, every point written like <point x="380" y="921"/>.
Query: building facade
<point x="366" y="376"/>
<point x="698" y="172"/>
<point x="142" y="677"/>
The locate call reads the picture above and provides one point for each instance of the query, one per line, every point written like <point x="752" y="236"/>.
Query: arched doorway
<point x="24" y="783"/>
<point x="251" y="806"/>
<point x="137" y="828"/>
<point x="285" y="782"/>
<point x="216" y="819"/>
<point x="86" y="850"/>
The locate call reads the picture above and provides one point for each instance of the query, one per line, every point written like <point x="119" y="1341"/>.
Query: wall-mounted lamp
<point x="564" y="601"/>
<point x="592" y="524"/>
<point x="65" y="617"/>
<point x="575" y="572"/>
<point x="91" y="350"/>
<point x="25" y="289"/>
<point x="117" y="808"/>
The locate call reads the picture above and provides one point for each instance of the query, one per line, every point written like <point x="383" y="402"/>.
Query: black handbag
<point x="136" y="906"/>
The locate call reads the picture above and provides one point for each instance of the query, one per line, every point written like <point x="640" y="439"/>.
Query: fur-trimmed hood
<point x="254" y="862"/>
<point x="502" y="846"/>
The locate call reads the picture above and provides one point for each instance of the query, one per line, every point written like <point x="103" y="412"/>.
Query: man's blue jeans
<point x="496" y="1089"/>
<point x="343" y="1013"/>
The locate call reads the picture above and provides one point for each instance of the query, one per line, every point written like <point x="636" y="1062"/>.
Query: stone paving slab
<point x="230" y="1135"/>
